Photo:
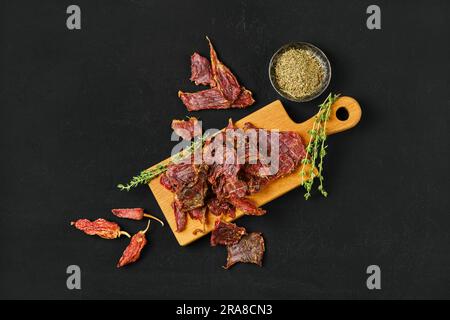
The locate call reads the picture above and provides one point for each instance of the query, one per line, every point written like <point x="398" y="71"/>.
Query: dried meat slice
<point x="254" y="183"/>
<point x="187" y="129"/>
<point x="291" y="150"/>
<point x="201" y="70"/>
<point x="226" y="233"/>
<point x="206" y="99"/>
<point x="244" y="99"/>
<point x="192" y="195"/>
<point x="218" y="208"/>
<point x="291" y="143"/>
<point x="225" y="80"/>
<point x="189" y="183"/>
<point x="246" y="206"/>
<point x="177" y="176"/>
<point x="198" y="213"/>
<point x="180" y="217"/>
<point x="250" y="249"/>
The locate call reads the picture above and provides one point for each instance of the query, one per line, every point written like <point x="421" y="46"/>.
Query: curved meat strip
<point x="201" y="70"/>
<point x="224" y="78"/>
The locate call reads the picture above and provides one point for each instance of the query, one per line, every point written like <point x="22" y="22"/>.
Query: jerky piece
<point x="225" y="80"/>
<point x="100" y="227"/>
<point x="180" y="217"/>
<point x="166" y="182"/>
<point x="201" y="70"/>
<point x="198" y="213"/>
<point x="192" y="195"/>
<point x="291" y="151"/>
<point x="226" y="233"/>
<point x="187" y="129"/>
<point x="250" y="249"/>
<point x="247" y="206"/>
<point x="291" y="144"/>
<point x="177" y="176"/>
<point x="244" y="99"/>
<point x="218" y="208"/>
<point x="206" y="99"/>
<point x="254" y="183"/>
<point x="133" y="250"/>
<point x="232" y="187"/>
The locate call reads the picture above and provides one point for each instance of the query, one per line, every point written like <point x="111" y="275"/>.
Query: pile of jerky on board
<point x="221" y="187"/>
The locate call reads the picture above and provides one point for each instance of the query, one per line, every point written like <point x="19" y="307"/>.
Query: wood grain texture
<point x="272" y="116"/>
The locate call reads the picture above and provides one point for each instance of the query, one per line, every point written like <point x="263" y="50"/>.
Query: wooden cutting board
<point x="272" y="116"/>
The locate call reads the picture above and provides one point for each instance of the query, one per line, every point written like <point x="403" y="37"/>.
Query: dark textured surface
<point x="84" y="110"/>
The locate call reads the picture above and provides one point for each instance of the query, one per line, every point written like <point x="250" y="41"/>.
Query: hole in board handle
<point x="342" y="114"/>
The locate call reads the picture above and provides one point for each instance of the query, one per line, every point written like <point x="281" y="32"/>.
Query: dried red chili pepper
<point x="133" y="250"/>
<point x="134" y="214"/>
<point x="100" y="227"/>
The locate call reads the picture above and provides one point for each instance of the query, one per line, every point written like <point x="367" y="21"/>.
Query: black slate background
<point x="84" y="110"/>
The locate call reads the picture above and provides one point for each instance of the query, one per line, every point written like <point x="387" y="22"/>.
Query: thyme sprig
<point x="143" y="178"/>
<point x="148" y="175"/>
<point x="316" y="149"/>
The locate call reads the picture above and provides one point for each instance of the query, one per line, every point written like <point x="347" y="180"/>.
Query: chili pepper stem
<point x="124" y="233"/>
<point x="146" y="229"/>
<point x="154" y="218"/>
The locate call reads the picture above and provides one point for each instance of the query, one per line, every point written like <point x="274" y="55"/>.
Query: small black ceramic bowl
<point x="317" y="53"/>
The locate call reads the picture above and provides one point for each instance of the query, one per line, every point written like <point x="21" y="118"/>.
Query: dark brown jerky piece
<point x="225" y="80"/>
<point x="291" y="151"/>
<point x="178" y="176"/>
<point x="192" y="195"/>
<point x="180" y="217"/>
<point x="166" y="182"/>
<point x="206" y="99"/>
<point x="226" y="233"/>
<point x="133" y="250"/>
<point x="218" y="207"/>
<point x="232" y="187"/>
<point x="129" y="213"/>
<point x="247" y="206"/>
<point x="254" y="183"/>
<point x="250" y="249"/>
<point x="291" y="144"/>
<point x="189" y="183"/>
<point x="198" y="214"/>
<point x="201" y="70"/>
<point x="223" y="176"/>
<point x="187" y="129"/>
<point x="244" y="99"/>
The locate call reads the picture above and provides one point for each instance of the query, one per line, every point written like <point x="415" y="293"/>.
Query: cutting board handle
<point x="345" y="114"/>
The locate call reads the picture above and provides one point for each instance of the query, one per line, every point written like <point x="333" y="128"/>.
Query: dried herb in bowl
<point x="299" y="73"/>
